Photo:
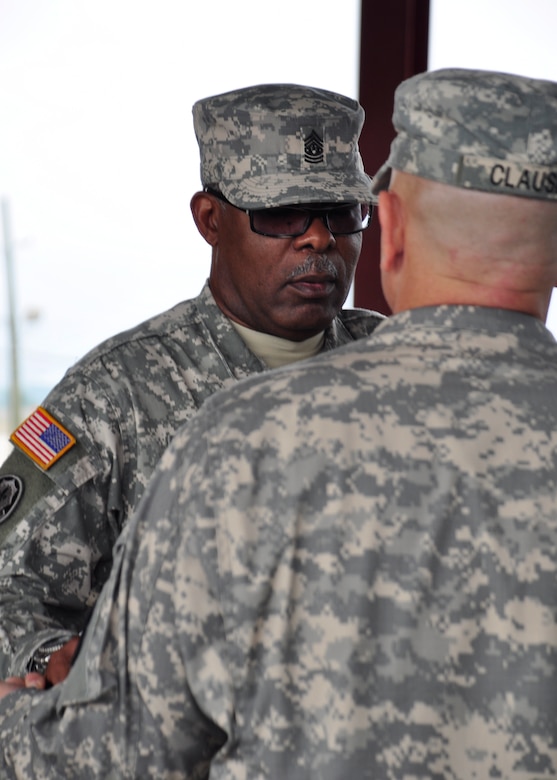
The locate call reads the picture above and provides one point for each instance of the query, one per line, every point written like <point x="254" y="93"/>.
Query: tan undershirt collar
<point x="276" y="352"/>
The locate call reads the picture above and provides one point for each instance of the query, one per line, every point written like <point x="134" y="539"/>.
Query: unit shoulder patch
<point x="42" y="438"/>
<point x="11" y="491"/>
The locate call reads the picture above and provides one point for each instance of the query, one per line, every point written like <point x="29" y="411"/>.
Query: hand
<point x="31" y="680"/>
<point x="60" y="662"/>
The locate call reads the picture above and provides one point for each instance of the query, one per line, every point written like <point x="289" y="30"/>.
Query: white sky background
<point x="98" y="158"/>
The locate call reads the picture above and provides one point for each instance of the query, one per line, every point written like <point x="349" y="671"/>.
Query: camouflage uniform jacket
<point x="345" y="570"/>
<point x="123" y="403"/>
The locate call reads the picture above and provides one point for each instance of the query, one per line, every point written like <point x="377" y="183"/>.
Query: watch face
<point x="11" y="491"/>
<point x="39" y="664"/>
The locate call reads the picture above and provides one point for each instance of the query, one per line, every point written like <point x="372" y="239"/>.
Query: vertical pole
<point x="394" y="36"/>
<point x="14" y="417"/>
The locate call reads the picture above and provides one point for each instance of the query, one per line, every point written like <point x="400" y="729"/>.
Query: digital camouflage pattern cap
<point x="481" y="130"/>
<point x="276" y="144"/>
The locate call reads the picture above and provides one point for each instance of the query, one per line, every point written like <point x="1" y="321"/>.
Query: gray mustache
<point x="315" y="264"/>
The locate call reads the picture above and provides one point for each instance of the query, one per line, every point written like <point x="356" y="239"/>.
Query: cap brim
<point x="259" y="192"/>
<point x="381" y="180"/>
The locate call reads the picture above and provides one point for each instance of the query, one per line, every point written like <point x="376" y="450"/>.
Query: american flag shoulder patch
<point x="42" y="438"/>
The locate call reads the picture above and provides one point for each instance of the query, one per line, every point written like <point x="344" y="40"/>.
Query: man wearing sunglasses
<point x="284" y="202"/>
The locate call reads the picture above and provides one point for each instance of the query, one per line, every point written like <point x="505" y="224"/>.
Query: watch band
<point x="41" y="656"/>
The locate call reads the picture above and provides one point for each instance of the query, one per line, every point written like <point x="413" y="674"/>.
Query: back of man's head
<point x="474" y="168"/>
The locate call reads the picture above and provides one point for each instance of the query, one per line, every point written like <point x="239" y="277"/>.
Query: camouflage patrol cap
<point x="277" y="144"/>
<point x="481" y="130"/>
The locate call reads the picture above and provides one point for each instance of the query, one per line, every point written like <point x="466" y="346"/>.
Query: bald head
<point x="444" y="244"/>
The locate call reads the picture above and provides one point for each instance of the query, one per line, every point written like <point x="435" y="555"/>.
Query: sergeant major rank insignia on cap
<point x="42" y="438"/>
<point x="313" y="148"/>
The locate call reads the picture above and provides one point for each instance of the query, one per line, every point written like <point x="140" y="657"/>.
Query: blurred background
<point x="98" y="159"/>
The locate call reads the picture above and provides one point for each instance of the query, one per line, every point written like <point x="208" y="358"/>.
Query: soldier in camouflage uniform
<point x="348" y="569"/>
<point x="277" y="283"/>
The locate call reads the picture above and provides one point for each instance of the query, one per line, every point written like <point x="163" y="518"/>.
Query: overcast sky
<point x="98" y="159"/>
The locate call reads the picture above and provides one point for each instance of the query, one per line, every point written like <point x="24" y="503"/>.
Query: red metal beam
<point x="393" y="46"/>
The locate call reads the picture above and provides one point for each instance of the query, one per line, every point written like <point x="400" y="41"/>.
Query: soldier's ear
<point x="206" y="211"/>
<point x="391" y="219"/>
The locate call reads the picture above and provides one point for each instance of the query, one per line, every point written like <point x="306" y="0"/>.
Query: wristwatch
<point x="41" y="656"/>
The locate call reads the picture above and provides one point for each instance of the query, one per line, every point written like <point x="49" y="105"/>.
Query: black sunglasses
<point x="292" y="221"/>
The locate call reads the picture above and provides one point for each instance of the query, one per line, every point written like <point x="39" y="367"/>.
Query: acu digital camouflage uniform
<point x="263" y="146"/>
<point x="345" y="570"/>
<point x="123" y="402"/>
